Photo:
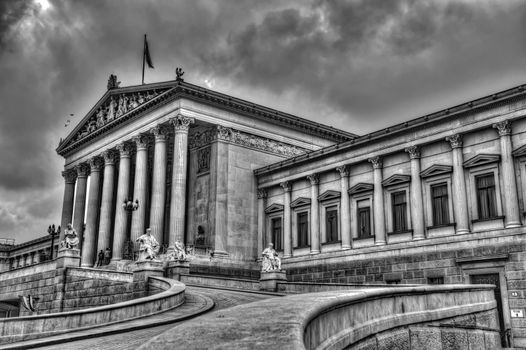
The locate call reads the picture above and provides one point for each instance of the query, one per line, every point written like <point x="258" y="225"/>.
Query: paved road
<point x="133" y="339"/>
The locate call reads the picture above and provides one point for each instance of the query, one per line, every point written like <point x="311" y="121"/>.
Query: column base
<point x="346" y="247"/>
<point x="513" y="225"/>
<point x="461" y="232"/>
<point x="380" y="243"/>
<point x="269" y="280"/>
<point x="418" y="238"/>
<point x="315" y="252"/>
<point x="221" y="254"/>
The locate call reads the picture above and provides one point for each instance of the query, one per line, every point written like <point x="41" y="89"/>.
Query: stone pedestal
<point x="176" y="268"/>
<point x="269" y="280"/>
<point x="68" y="258"/>
<point x="147" y="268"/>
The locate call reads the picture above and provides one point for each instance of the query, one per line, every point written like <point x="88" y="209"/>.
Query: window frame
<point x="389" y="208"/>
<point x="324" y="206"/>
<point x="490" y="168"/>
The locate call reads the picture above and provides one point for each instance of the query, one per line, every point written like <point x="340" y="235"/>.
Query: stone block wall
<point x="472" y="332"/>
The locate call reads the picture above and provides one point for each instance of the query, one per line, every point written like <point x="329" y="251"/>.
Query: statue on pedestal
<point x="149" y="247"/>
<point x="71" y="239"/>
<point x="178" y="252"/>
<point x="271" y="261"/>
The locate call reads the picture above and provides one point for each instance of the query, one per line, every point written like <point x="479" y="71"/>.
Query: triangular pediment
<point x="360" y="187"/>
<point x="328" y="195"/>
<point x="481" y="159"/>
<point x="274" y="208"/>
<point x="396" y="179"/>
<point x="115" y="106"/>
<point x="299" y="202"/>
<point x="436" y="169"/>
<point x="521" y="151"/>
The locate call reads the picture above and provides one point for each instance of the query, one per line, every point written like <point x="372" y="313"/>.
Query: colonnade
<point x="459" y="196"/>
<point x="105" y="209"/>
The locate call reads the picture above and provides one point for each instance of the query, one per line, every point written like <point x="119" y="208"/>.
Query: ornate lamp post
<point x="128" y="250"/>
<point x="52" y="232"/>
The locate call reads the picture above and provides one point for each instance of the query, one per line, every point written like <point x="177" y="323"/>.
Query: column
<point x="220" y="187"/>
<point x="70" y="176"/>
<point x="80" y="201"/>
<point x="121" y="214"/>
<point x="314" y="214"/>
<point x="345" y="211"/>
<point x="460" y="200"/>
<point x="158" y="183"/>
<point x="139" y="188"/>
<point x="106" y="206"/>
<point x="511" y="202"/>
<point x="180" y="164"/>
<point x="90" y="235"/>
<point x="287" y="233"/>
<point x="37" y="257"/>
<point x="262" y="239"/>
<point x="378" y="198"/>
<point x="417" y="203"/>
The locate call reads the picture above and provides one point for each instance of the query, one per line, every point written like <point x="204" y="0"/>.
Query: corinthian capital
<point x="376" y="162"/>
<point x="109" y="157"/>
<point x="82" y="170"/>
<point x="455" y="140"/>
<point x="95" y="164"/>
<point x="343" y="170"/>
<point x="504" y="127"/>
<point x="181" y="123"/>
<point x="160" y="132"/>
<point x="414" y="152"/>
<point x="314" y="179"/>
<point x="69" y="175"/>
<point x="141" y="141"/>
<point x="223" y="133"/>
<point x="287" y="186"/>
<point x="124" y="149"/>
<point x="262" y="193"/>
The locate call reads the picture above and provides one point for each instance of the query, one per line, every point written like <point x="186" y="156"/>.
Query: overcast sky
<point x="356" y="65"/>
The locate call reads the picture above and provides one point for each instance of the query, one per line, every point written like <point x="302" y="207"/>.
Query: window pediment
<point x="521" y="151"/>
<point x="274" y="208"/>
<point x="299" y="202"/>
<point x="360" y="187"/>
<point x="481" y="159"/>
<point x="328" y="195"/>
<point x="436" y="169"/>
<point x="396" y="179"/>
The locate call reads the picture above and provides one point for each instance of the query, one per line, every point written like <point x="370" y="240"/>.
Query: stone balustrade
<point x="31" y="327"/>
<point x="342" y="319"/>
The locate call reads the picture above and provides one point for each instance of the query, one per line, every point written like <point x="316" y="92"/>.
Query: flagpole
<point x="143" y="57"/>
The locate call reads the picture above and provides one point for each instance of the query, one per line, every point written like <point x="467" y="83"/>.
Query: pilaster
<point x="345" y="207"/>
<point x="378" y="199"/>
<point x="314" y="180"/>
<point x="417" y="202"/>
<point x="460" y="200"/>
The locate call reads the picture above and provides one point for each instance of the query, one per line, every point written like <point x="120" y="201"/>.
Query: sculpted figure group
<point x="271" y="260"/>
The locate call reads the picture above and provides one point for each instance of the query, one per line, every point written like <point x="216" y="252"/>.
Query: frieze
<point x="114" y="108"/>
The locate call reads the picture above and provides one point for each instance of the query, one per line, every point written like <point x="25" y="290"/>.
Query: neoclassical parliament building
<point x="435" y="200"/>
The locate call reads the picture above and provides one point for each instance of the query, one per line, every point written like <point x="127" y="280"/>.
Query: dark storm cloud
<point x="358" y="65"/>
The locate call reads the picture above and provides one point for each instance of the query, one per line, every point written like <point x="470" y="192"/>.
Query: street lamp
<point x="52" y="232"/>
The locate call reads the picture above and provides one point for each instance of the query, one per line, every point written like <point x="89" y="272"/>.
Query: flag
<point x="147" y="53"/>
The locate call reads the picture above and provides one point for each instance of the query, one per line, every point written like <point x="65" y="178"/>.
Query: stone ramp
<point x="196" y="303"/>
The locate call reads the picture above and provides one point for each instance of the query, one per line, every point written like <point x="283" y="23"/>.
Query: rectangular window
<point x="435" y="280"/>
<point x="364" y="222"/>
<point x="276" y="233"/>
<point x="331" y="224"/>
<point x="399" y="204"/>
<point x="439" y="203"/>
<point x="303" y="229"/>
<point x="486" y="200"/>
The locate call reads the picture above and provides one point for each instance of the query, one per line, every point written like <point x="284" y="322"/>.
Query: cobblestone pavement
<point x="133" y="339"/>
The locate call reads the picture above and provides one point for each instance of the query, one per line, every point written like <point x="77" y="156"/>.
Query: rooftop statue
<point x="112" y="82"/>
<point x="179" y="74"/>
<point x="71" y="239"/>
<point x="271" y="261"/>
<point x="149" y="247"/>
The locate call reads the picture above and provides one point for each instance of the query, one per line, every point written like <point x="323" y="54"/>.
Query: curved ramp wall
<point x="30" y="327"/>
<point x="339" y="319"/>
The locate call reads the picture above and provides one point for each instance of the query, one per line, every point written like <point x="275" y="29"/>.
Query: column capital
<point x="455" y="140"/>
<point x="69" y="175"/>
<point x="160" y="132"/>
<point x="124" y="150"/>
<point x="223" y="133"/>
<point x="141" y="141"/>
<point x="82" y="170"/>
<point x="314" y="179"/>
<point x="414" y="152"/>
<point x="95" y="164"/>
<point x="181" y="123"/>
<point x="503" y="128"/>
<point x="344" y="170"/>
<point x="287" y="186"/>
<point x="376" y="162"/>
<point x="262" y="193"/>
<point x="109" y="157"/>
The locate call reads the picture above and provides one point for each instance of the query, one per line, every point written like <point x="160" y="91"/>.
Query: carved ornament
<point x="287" y="186"/>
<point x="124" y="149"/>
<point x="141" y="141"/>
<point x="414" y="152"/>
<point x="504" y="127"/>
<point x="343" y="170"/>
<point x="95" y="164"/>
<point x="160" y="132"/>
<point x="109" y="157"/>
<point x="314" y="179"/>
<point x="69" y="175"/>
<point x="376" y="162"/>
<point x="181" y="123"/>
<point x="455" y="140"/>
<point x="262" y="193"/>
<point x="82" y="170"/>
